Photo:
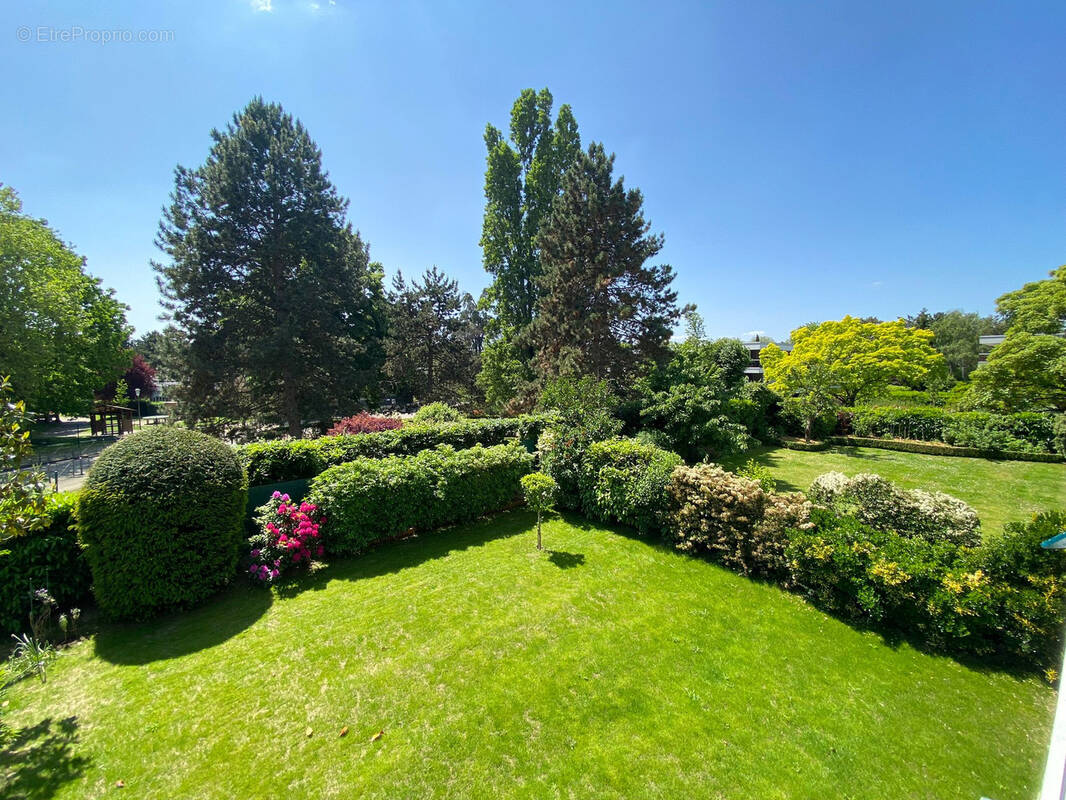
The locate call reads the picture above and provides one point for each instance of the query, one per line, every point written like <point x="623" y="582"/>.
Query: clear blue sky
<point x="804" y="160"/>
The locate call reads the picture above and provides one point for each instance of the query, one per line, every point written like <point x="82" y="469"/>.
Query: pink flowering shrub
<point x="288" y="537"/>
<point x="364" y="423"/>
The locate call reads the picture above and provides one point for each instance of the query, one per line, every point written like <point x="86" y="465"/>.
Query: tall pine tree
<point x="602" y="311"/>
<point x="522" y="180"/>
<point x="274" y="291"/>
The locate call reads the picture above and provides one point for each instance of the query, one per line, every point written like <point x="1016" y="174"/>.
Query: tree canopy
<point x="434" y="339"/>
<point x="850" y="359"/>
<point x="522" y="179"/>
<point x="62" y="336"/>
<point x="956" y="334"/>
<point x="274" y="291"/>
<point x="1038" y="307"/>
<point x="603" y="310"/>
<point x="1027" y="372"/>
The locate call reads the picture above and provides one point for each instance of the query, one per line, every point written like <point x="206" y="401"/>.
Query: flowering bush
<point x="874" y="501"/>
<point x="949" y="597"/>
<point x="364" y="423"/>
<point x="733" y="519"/>
<point x="288" y="536"/>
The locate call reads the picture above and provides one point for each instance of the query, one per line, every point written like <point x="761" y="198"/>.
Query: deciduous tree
<point x="522" y="178"/>
<point x="1038" y="307"/>
<point x="850" y="359"/>
<point x="1027" y="372"/>
<point x="956" y="334"/>
<point x="22" y="500"/>
<point x="62" y="336"/>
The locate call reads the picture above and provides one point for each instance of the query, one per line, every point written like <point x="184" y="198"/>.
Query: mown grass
<point x="606" y="666"/>
<point x="1000" y="491"/>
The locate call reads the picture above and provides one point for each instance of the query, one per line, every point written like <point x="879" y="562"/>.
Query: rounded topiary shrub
<point x="161" y="521"/>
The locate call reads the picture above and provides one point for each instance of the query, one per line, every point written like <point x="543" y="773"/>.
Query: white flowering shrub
<point x="733" y="519"/>
<point x="828" y="487"/>
<point x="933" y="516"/>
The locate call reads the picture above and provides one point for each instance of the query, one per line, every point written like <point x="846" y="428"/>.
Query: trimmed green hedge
<point x="49" y="558"/>
<point x="161" y="519"/>
<point x="936" y="449"/>
<point x="806" y="447"/>
<point x="290" y="460"/>
<point x="977" y="429"/>
<point x="369" y="500"/>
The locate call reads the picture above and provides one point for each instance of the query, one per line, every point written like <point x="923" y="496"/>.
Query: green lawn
<point x="1000" y="491"/>
<point x="610" y="667"/>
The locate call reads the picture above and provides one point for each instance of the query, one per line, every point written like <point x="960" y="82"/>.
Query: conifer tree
<point x="603" y="310"/>
<point x="275" y="293"/>
<point x="434" y="339"/>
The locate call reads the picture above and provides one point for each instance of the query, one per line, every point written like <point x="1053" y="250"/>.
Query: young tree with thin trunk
<point x="540" y="492"/>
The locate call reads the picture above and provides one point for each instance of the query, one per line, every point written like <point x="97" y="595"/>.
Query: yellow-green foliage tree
<point x="849" y="359"/>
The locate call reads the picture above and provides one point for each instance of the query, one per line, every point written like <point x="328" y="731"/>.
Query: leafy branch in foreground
<point x="22" y="501"/>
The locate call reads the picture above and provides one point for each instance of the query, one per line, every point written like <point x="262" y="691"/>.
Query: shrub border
<point x="935" y="449"/>
<point x="805" y="447"/>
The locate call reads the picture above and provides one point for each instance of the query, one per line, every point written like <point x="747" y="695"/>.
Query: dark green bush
<point x="288" y="460"/>
<point x="917" y="422"/>
<point x="806" y="447"/>
<point x="1059" y="434"/>
<point x="47" y="558"/>
<point x="939" y="592"/>
<point x="624" y="480"/>
<point x="1016" y="553"/>
<point x="368" y="500"/>
<point x="161" y="521"/>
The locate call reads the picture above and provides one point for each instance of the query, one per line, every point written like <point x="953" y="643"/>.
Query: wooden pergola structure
<point x="110" y="420"/>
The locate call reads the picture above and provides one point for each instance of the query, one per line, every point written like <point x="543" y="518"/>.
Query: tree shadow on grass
<point x="227" y="614"/>
<point x="182" y="632"/>
<point x="564" y="560"/>
<point x="396" y="555"/>
<point x="36" y="761"/>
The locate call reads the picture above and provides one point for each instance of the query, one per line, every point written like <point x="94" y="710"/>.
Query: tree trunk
<point x="807" y="429"/>
<point x="292" y="410"/>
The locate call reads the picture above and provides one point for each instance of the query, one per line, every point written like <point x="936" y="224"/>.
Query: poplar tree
<point x="274" y="292"/>
<point x="603" y="311"/>
<point x="522" y="178"/>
